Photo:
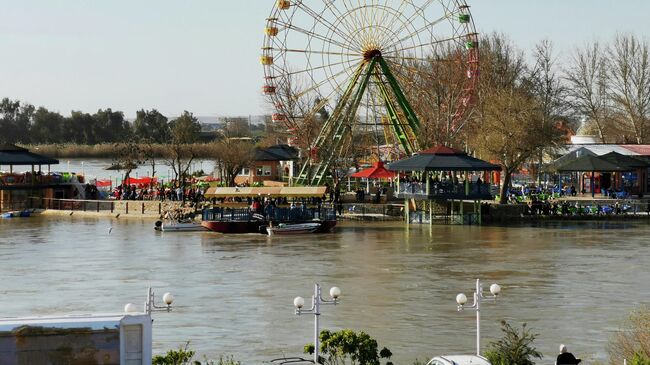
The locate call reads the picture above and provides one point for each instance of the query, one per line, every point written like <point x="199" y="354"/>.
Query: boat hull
<point x="235" y="227"/>
<point x="293" y="229"/>
<point x="255" y="226"/>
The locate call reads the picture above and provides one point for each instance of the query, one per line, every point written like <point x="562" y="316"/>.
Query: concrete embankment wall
<point x="119" y="208"/>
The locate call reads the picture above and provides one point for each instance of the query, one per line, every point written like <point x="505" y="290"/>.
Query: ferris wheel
<point x="367" y="72"/>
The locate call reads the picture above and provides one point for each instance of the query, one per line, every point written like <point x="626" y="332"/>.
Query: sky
<point x="203" y="55"/>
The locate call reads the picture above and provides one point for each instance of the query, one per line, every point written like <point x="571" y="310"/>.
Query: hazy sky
<point x="203" y="55"/>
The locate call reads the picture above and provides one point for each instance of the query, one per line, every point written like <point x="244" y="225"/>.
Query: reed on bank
<point x="107" y="150"/>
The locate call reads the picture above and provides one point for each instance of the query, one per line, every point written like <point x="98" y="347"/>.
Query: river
<point x="572" y="283"/>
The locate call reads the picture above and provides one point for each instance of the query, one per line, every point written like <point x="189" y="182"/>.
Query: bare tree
<point x="550" y="92"/>
<point x="630" y="83"/>
<point x="588" y="81"/>
<point x="231" y="156"/>
<point x="510" y="128"/>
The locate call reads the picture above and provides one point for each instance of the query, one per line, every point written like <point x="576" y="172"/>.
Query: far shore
<point x="107" y="150"/>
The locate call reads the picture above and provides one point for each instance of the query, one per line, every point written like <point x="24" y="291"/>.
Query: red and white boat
<point x="291" y="229"/>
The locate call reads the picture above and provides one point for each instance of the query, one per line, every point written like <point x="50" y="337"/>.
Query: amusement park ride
<point x="363" y="63"/>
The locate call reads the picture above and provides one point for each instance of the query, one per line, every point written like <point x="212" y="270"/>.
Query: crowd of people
<point x="158" y="192"/>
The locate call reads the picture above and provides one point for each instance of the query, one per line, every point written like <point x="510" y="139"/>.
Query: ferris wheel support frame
<point x="336" y="128"/>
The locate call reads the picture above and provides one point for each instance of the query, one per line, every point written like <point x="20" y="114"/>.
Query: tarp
<point x="141" y="181"/>
<point x="377" y="171"/>
<point x="103" y="183"/>
<point x="244" y="192"/>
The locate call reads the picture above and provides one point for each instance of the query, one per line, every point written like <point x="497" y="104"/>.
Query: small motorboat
<point x="288" y="229"/>
<point x="185" y="226"/>
<point x="17" y="214"/>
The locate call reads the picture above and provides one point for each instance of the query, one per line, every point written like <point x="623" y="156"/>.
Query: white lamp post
<point x="461" y="299"/>
<point x="316" y="301"/>
<point x="150" y="305"/>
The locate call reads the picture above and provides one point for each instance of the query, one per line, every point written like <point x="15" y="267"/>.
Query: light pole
<point x="461" y="299"/>
<point x="316" y="301"/>
<point x="150" y="304"/>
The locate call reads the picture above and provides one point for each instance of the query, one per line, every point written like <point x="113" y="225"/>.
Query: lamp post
<point x="316" y="301"/>
<point x="150" y="304"/>
<point x="461" y="299"/>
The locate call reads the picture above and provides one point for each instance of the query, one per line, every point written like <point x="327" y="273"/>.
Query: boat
<point x="244" y="220"/>
<point x="291" y="229"/>
<point x="17" y="214"/>
<point x="171" y="226"/>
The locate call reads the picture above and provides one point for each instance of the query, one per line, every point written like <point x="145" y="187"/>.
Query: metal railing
<point x="278" y="214"/>
<point x="439" y="189"/>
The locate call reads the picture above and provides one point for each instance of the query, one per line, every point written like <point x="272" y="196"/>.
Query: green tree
<point x="346" y="346"/>
<point x="180" y="152"/>
<point x="514" y="348"/>
<point x="15" y="121"/>
<point x="150" y="125"/>
<point x="82" y="128"/>
<point x="47" y="126"/>
<point x="185" y="129"/>
<point x="111" y="126"/>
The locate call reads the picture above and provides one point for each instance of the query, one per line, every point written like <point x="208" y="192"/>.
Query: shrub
<point x="346" y="345"/>
<point x="184" y="356"/>
<point x="632" y="340"/>
<point x="514" y="347"/>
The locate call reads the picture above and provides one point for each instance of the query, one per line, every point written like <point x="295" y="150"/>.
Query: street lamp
<point x="150" y="304"/>
<point x="461" y="299"/>
<point x="316" y="301"/>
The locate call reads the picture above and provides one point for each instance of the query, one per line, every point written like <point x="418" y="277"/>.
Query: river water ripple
<point x="572" y="283"/>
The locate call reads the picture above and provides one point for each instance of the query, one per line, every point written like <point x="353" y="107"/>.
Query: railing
<point x="444" y="190"/>
<point x="276" y="214"/>
<point x="77" y="205"/>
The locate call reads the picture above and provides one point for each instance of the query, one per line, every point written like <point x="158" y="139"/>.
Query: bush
<point x="632" y="340"/>
<point x="184" y="356"/>
<point x="346" y="345"/>
<point x="514" y="347"/>
<point x="640" y="359"/>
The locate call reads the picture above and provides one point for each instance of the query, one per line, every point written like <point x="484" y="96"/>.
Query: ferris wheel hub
<point x="371" y="53"/>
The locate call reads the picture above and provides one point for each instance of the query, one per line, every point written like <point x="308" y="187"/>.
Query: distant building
<point x="275" y="163"/>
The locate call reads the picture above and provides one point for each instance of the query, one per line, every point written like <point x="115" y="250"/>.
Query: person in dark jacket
<point x="566" y="358"/>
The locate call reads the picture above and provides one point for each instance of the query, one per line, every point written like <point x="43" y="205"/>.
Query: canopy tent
<point x="442" y="158"/>
<point x="611" y="162"/>
<point x="624" y="161"/>
<point x="377" y="171"/>
<point x="589" y="163"/>
<point x="245" y="192"/>
<point x="13" y="155"/>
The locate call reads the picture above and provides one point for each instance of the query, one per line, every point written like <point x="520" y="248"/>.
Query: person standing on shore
<point x="566" y="358"/>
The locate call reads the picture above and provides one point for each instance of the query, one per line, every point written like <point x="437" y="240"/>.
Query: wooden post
<point x="142" y="207"/>
<point x="127" y="207"/>
<point x="407" y="212"/>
